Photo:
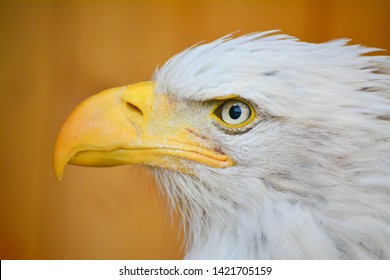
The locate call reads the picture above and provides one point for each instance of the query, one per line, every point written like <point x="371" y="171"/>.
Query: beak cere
<point x="112" y="128"/>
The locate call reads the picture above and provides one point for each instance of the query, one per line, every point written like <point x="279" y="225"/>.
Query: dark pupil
<point x="235" y="112"/>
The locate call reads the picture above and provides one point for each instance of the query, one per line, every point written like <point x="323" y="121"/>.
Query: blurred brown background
<point x="54" y="54"/>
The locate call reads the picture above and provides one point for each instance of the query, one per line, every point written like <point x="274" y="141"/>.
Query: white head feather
<point x="312" y="176"/>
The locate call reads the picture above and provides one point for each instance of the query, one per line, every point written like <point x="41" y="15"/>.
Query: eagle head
<point x="269" y="147"/>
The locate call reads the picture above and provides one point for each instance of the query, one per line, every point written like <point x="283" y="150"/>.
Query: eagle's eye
<point x="233" y="113"/>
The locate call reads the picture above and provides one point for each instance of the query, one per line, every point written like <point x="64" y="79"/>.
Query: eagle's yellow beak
<point x="127" y="125"/>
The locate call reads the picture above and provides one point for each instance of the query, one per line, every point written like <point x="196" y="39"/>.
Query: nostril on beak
<point x="137" y="100"/>
<point x="134" y="109"/>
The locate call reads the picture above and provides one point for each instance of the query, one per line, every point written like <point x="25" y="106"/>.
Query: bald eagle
<point x="270" y="147"/>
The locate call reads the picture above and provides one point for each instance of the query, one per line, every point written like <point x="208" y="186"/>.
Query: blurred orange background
<point x="54" y="54"/>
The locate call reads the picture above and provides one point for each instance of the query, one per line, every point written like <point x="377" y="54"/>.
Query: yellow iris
<point x="232" y="112"/>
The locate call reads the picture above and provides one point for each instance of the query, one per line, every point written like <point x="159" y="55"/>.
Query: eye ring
<point x="233" y="113"/>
